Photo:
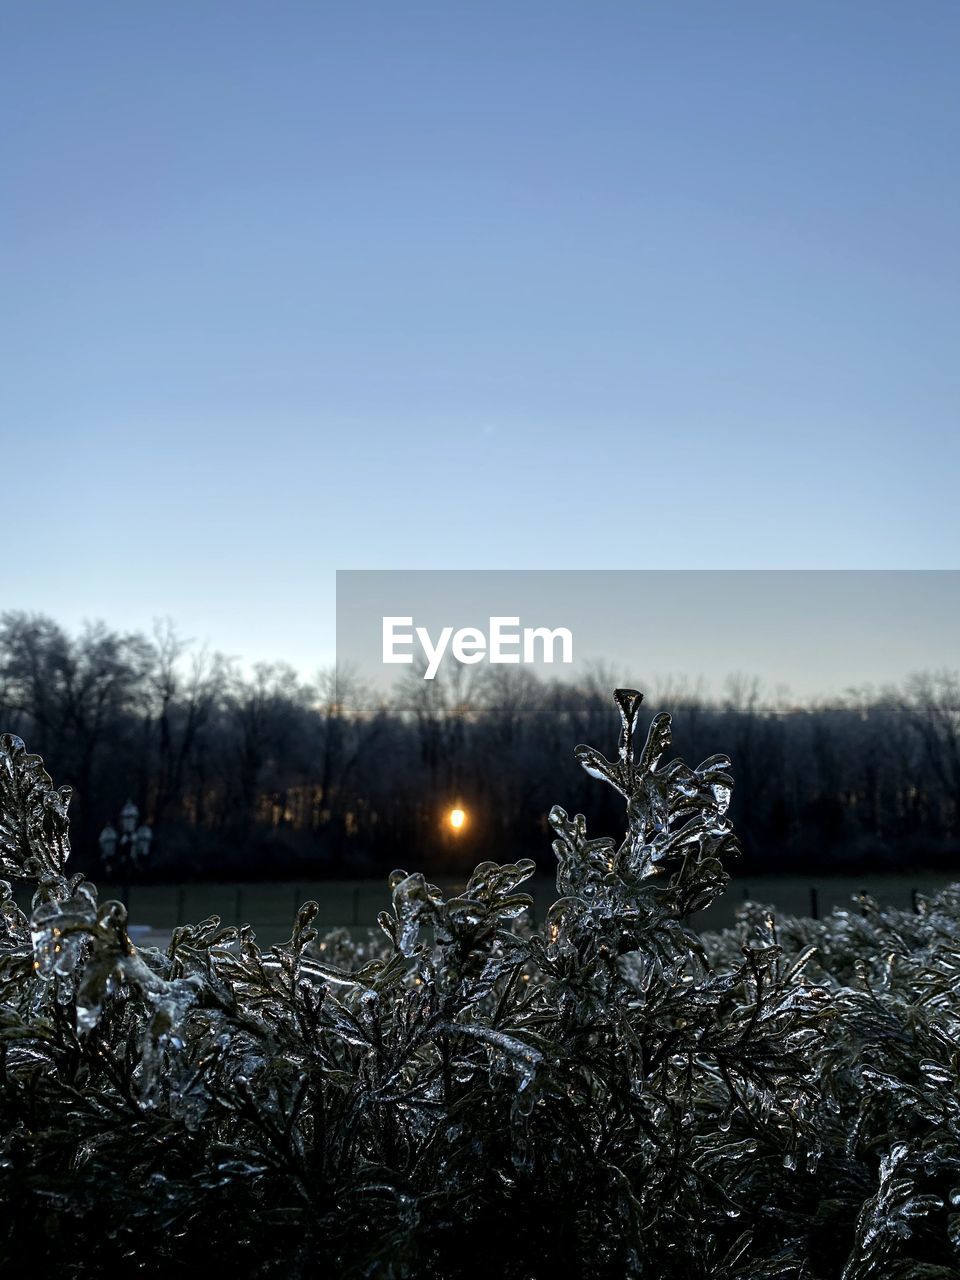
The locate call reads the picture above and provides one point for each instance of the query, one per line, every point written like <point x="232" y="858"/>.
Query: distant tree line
<point x="265" y="774"/>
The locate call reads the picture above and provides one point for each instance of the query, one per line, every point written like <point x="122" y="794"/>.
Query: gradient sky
<point x="290" y="287"/>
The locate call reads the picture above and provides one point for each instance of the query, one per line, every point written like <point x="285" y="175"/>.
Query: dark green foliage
<point x="613" y="1096"/>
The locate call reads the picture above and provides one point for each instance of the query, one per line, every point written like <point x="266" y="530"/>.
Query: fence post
<point x="814" y="903"/>
<point x="181" y="906"/>
<point x="356" y="905"/>
<point x="238" y="906"/>
<point x="913" y="902"/>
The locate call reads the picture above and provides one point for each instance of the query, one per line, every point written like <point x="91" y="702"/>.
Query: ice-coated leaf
<point x="34" y="828"/>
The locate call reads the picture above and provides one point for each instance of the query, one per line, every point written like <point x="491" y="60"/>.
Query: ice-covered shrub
<point x="611" y="1096"/>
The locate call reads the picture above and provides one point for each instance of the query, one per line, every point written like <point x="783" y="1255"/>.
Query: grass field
<point x="353" y="904"/>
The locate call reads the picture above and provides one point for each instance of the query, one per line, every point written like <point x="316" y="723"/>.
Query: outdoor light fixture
<point x="456" y="818"/>
<point x="134" y="842"/>
<point x="128" y="818"/>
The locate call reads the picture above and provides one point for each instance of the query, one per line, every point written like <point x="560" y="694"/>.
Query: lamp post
<point x="133" y="843"/>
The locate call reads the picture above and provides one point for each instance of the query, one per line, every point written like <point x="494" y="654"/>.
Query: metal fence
<point x="271" y="907"/>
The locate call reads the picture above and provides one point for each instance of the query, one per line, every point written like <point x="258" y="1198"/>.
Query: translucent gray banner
<point x="787" y="635"/>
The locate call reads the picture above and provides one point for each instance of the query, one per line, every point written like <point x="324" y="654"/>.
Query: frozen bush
<point x="611" y="1096"/>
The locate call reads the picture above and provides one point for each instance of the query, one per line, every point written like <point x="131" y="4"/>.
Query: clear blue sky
<point x="290" y="287"/>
